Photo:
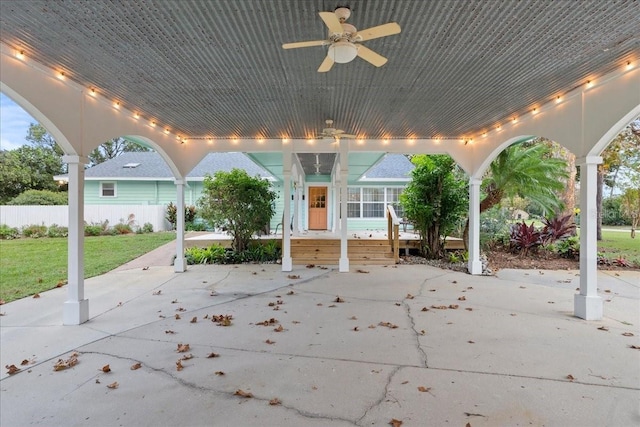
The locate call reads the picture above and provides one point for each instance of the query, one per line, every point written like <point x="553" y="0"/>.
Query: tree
<point x="237" y="202"/>
<point x="28" y="168"/>
<point x="113" y="148"/>
<point x="435" y="200"/>
<point x="631" y="207"/>
<point x="38" y="136"/>
<point x="528" y="170"/>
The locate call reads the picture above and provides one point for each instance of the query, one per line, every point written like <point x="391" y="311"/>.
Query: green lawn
<point x="29" y="266"/>
<point x="616" y="244"/>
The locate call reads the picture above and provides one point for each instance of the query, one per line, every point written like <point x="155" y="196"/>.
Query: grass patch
<point x="29" y="266"/>
<point x="619" y="244"/>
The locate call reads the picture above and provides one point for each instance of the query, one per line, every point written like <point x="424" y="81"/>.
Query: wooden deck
<point x="363" y="248"/>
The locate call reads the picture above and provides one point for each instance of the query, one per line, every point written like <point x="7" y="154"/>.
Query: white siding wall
<point x="19" y="216"/>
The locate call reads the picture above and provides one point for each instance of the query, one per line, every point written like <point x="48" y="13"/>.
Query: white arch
<point x="602" y="143"/>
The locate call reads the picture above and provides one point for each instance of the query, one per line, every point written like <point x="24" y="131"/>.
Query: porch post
<point x="296" y="207"/>
<point x="335" y="194"/>
<point x="76" y="307"/>
<point x="343" y="266"/>
<point x="180" y="263"/>
<point x="587" y="304"/>
<point x="287" y="262"/>
<point x="475" y="265"/>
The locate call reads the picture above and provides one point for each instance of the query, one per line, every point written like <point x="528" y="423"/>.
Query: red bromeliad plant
<point x="524" y="238"/>
<point x="558" y="228"/>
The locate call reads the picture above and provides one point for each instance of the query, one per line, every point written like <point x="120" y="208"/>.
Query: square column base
<point x="287" y="264"/>
<point x="75" y="312"/>
<point x="180" y="265"/>
<point x="475" y="267"/>
<point x="587" y="307"/>
<point x="343" y="266"/>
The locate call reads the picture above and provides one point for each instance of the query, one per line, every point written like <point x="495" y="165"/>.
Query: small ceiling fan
<point x="333" y="133"/>
<point x="345" y="40"/>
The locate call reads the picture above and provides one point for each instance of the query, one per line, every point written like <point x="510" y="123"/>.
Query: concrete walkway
<point x="315" y="347"/>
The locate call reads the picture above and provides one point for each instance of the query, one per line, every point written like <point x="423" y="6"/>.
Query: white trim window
<point x="108" y="189"/>
<point x="370" y="202"/>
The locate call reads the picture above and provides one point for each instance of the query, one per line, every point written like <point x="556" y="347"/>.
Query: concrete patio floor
<point x="358" y="348"/>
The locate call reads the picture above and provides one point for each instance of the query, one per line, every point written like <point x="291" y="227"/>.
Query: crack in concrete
<point x="383" y="397"/>
<point x="416" y="334"/>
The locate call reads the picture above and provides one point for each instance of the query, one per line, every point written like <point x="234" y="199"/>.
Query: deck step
<point x="327" y="251"/>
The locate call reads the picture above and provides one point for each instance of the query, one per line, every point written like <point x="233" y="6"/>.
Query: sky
<point x="14" y="124"/>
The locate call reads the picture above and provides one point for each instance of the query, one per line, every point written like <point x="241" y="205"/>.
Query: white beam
<point x="287" y="261"/>
<point x="180" y="263"/>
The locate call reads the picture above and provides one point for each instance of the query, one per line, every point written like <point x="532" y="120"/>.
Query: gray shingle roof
<point x="392" y="166"/>
<point x="152" y="166"/>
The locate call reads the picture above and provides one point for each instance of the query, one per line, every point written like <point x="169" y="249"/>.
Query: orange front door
<point x="317" y="208"/>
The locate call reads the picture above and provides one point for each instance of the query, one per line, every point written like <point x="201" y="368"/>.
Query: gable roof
<point x="151" y="166"/>
<point x="392" y="167"/>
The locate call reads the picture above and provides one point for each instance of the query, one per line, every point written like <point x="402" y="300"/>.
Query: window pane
<point x="373" y="194"/>
<point x="353" y="194"/>
<point x="108" y="189"/>
<point x="353" y="210"/>
<point x="373" y="210"/>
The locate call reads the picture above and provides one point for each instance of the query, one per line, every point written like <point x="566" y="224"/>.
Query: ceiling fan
<point x="345" y="40"/>
<point x="333" y="133"/>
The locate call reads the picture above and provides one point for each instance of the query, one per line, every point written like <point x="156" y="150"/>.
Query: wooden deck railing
<point x="393" y="231"/>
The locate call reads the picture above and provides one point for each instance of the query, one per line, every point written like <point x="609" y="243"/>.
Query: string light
<point x="589" y="83"/>
<point x="20" y="54"/>
<point x="116" y="105"/>
<point x="534" y="111"/>
<point x="558" y="99"/>
<point x="61" y="75"/>
<point x="629" y="65"/>
<point x="152" y="124"/>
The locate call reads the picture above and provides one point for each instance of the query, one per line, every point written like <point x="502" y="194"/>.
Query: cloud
<point x="14" y="124"/>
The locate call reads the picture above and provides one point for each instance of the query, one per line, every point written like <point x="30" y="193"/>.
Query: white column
<point x="287" y="262"/>
<point x="475" y="265"/>
<point x="587" y="304"/>
<point x="296" y="207"/>
<point x="180" y="263"/>
<point x="343" y="266"/>
<point x="76" y="307"/>
<point x="335" y="193"/>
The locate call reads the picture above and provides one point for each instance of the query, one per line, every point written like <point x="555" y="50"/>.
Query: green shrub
<point x="495" y="226"/>
<point x="195" y="226"/>
<point x="8" y="233"/>
<point x="172" y="215"/>
<point x="612" y="212"/>
<point x="568" y="248"/>
<point x="92" y="230"/>
<point x="122" y="228"/>
<point x="55" y="230"/>
<point x="34" y="231"/>
<point x="39" y="197"/>
<point x="147" y="227"/>
<point x="212" y="254"/>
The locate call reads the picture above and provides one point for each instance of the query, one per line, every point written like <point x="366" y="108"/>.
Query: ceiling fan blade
<point x="370" y="56"/>
<point x="347" y="135"/>
<point x="304" y="44"/>
<point x="326" y="65"/>
<point x="380" y="31"/>
<point x="332" y="22"/>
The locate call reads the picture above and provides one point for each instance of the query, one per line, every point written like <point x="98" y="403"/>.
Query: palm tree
<point x="527" y="170"/>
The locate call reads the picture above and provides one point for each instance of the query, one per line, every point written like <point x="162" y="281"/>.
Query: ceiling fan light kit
<point x="344" y="40"/>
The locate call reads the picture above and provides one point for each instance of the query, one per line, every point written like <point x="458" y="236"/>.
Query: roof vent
<point x="131" y="165"/>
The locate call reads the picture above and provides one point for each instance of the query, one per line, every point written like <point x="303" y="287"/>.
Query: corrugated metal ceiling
<point x="217" y="67"/>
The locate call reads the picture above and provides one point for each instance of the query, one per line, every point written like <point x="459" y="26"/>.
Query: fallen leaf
<point x="635" y="347"/>
<point x="242" y="393"/>
<point x="293" y="276"/>
<point x="206" y="316"/>
<point x="332" y="306"/>
<point x="409" y="296"/>
<point x="12" y="369"/>
<point x="439" y="307"/>
<point x="222" y="319"/>
<point x="311" y="265"/>
<point x="271" y="304"/>
<point x="424" y="389"/>
<point x="270" y="342"/>
<point x="275" y="401"/>
<point x="424" y="309"/>
<point x="608" y="291"/>
<point x="338" y="299"/>
<point x="454" y="306"/>
<point x="219" y="373"/>
<point x="398" y="304"/>
<point x="2" y="301"/>
<point x="404" y="382"/>
<point x="278" y="329"/>
<point x="469" y="287"/>
<point x="97" y="381"/>
<point x="268" y="322"/>
<point x="136" y="366"/>
<point x="181" y="309"/>
<point x="25" y="362"/>
<point x="106" y="368"/>
<point x="169" y="331"/>
<point x="388" y="325"/>
<point x="395" y="423"/>
<point x="113" y="385"/>
<point x="36" y="295"/>
<point x="212" y="293"/>
<point x="64" y="364"/>
<point x="175" y="301"/>
<point x="194" y="320"/>
<point x="177" y="316"/>
<point x="187" y="356"/>
<point x="295" y="322"/>
<point x="145" y="268"/>
<point x="570" y="377"/>
<point x="603" y="328"/>
<point x="362" y="271"/>
<point x="627" y="334"/>
<point x="371" y="326"/>
<point x="290" y="293"/>
<point x="158" y="292"/>
<point x="182" y="348"/>
<point x="423" y="332"/>
<point x="432" y="290"/>
<point x="469" y="309"/>
<point x="120" y="304"/>
<point x="254" y="273"/>
<point x="462" y="298"/>
<point x="279" y="302"/>
<point x="513" y="314"/>
<point x="179" y="366"/>
<point x="471" y="342"/>
<point x="353" y="318"/>
<point x="356" y="329"/>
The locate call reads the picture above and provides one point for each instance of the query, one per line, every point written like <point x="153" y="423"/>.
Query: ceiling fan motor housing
<point x="343" y="52"/>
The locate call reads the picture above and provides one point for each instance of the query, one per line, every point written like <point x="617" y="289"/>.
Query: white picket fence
<point x="19" y="216"/>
